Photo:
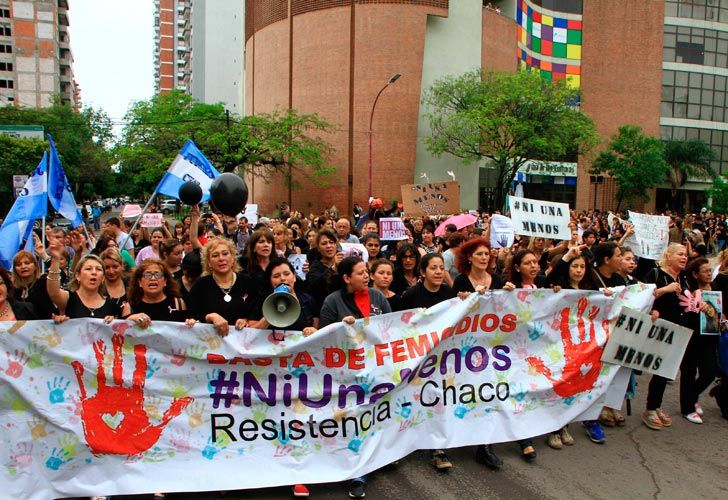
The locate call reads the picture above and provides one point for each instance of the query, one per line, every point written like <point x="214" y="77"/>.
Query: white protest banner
<point x="392" y="229"/>
<point x="297" y="260"/>
<point x="712" y="314"/>
<point x="152" y="220"/>
<point x="502" y="233"/>
<point x="638" y="342"/>
<point x="539" y="218"/>
<point x="251" y="213"/>
<point x="93" y="409"/>
<point x="651" y="235"/>
<point x="355" y="250"/>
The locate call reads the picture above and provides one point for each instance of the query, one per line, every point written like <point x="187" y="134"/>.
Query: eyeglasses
<point x="408" y="257"/>
<point x="149" y="276"/>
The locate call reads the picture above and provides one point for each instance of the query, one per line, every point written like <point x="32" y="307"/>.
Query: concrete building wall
<point x="453" y="45"/>
<point x="217" y="72"/>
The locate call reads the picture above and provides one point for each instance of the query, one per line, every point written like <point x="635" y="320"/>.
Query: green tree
<point x="635" y="161"/>
<point x="18" y="156"/>
<point x="687" y="159"/>
<point x="718" y="195"/>
<point x="262" y="144"/>
<point x="81" y="139"/>
<point x="506" y="118"/>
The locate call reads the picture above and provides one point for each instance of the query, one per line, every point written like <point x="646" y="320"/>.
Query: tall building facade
<point x="172" y="50"/>
<point x="199" y="49"/>
<point x="695" y="84"/>
<point x="36" y="61"/>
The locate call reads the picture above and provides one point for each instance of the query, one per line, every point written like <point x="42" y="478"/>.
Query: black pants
<point x="697" y="370"/>
<point x="655" y="391"/>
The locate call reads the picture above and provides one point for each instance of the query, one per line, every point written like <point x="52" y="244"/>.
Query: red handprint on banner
<point x="114" y="420"/>
<point x="582" y="360"/>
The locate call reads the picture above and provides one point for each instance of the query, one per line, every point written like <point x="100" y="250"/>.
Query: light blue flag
<point x="189" y="165"/>
<point x="59" y="190"/>
<point x="13" y="237"/>
<point x="32" y="203"/>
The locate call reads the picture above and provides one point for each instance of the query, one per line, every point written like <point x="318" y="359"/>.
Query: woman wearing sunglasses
<point x="153" y="294"/>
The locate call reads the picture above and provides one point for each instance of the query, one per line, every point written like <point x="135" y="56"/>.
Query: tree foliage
<point x="81" y="138"/>
<point x="18" y="156"/>
<point x="262" y="144"/>
<point x="635" y="161"/>
<point x="508" y="119"/>
<point x="718" y="195"/>
<point x="688" y="159"/>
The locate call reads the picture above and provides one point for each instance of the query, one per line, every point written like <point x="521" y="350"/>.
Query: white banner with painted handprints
<point x="91" y="409"/>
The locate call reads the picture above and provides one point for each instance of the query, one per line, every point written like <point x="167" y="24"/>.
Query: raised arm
<point x="53" y="280"/>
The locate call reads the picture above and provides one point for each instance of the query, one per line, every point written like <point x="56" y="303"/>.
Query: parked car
<point x="168" y="206"/>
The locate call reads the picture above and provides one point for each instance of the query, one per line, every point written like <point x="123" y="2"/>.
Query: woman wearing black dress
<point x="472" y="261"/>
<point x="30" y="285"/>
<point x="85" y="295"/>
<point x="154" y="296"/>
<point x="224" y="294"/>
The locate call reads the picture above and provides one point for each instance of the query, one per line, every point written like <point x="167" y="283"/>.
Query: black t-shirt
<point x="37" y="294"/>
<point x="206" y="297"/>
<point x="669" y="305"/>
<point x="77" y="309"/>
<point x="166" y="310"/>
<point x="463" y="284"/>
<point x="419" y="296"/>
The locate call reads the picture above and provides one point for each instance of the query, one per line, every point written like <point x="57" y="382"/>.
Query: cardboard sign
<point x="435" y="198"/>
<point x="251" y="213"/>
<point x="355" y="250"/>
<point x="502" y="233"/>
<point x="297" y="260"/>
<point x="651" y="235"/>
<point x="392" y="229"/>
<point x="547" y="219"/>
<point x="152" y="220"/>
<point x="712" y="314"/>
<point x="638" y="342"/>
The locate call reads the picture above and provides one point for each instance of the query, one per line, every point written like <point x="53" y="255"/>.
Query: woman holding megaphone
<point x="281" y="272"/>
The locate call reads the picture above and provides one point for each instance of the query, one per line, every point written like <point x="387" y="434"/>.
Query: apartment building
<point x="172" y="51"/>
<point x="36" y="61"/>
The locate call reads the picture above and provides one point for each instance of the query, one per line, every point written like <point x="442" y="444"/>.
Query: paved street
<point x="686" y="461"/>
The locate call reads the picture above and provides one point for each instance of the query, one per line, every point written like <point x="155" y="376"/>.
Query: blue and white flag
<point x="189" y="165"/>
<point x="59" y="190"/>
<point x="13" y="236"/>
<point x="32" y="203"/>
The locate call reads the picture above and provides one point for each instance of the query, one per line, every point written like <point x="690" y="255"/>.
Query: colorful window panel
<point x="550" y="42"/>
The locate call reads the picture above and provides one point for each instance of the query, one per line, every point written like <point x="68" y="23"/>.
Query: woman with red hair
<point x="472" y="262"/>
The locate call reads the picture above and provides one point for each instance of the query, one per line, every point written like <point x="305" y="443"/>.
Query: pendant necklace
<point x="226" y="291"/>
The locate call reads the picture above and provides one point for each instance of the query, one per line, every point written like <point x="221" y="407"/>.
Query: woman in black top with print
<point x="671" y="283"/>
<point x="472" y="259"/>
<point x="153" y="295"/>
<point x="223" y="295"/>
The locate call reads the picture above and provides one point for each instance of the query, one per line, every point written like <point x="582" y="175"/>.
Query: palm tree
<point x="687" y="159"/>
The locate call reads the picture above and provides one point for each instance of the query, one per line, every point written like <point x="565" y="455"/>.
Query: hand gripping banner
<point x="88" y="408"/>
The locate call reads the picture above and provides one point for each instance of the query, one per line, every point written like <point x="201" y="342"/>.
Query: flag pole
<point x="42" y="240"/>
<point x="43" y="227"/>
<point x="136" y="222"/>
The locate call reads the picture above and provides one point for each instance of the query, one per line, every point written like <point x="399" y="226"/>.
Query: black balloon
<point x="190" y="193"/>
<point x="229" y="194"/>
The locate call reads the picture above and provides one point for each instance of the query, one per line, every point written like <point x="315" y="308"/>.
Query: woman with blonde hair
<point x="30" y="285"/>
<point x="224" y="294"/>
<point x="671" y="282"/>
<point x="85" y="297"/>
<point x="114" y="275"/>
<point x="282" y="241"/>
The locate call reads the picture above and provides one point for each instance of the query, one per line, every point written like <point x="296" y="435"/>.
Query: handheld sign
<point x="501" y="232"/>
<point x="651" y="235"/>
<point x="297" y="260"/>
<point x="638" y="342"/>
<point x="251" y="213"/>
<point x="435" y="198"/>
<point x="547" y="219"/>
<point x="152" y="220"/>
<point x="392" y="229"/>
<point x="712" y="314"/>
<point x="355" y="250"/>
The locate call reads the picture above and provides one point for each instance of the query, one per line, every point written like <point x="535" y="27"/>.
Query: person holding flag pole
<point x="189" y="165"/>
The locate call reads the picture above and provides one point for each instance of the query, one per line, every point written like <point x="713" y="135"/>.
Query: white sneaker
<point x="698" y="409"/>
<point x="694" y="417"/>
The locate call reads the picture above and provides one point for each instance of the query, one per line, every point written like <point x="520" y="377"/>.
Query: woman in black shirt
<point x="432" y="289"/>
<point x="223" y="295"/>
<point x="153" y="295"/>
<point x="406" y="269"/>
<point x="473" y="258"/>
<point x="30" y="285"/>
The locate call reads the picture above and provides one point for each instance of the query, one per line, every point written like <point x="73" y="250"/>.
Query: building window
<point x="5" y="48"/>
<point x="5" y="13"/>
<point x="6" y="84"/>
<point x="6" y="66"/>
<point x="702" y="10"/>
<point x="5" y="30"/>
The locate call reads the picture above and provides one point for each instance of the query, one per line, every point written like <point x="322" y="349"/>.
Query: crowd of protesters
<point x="218" y="270"/>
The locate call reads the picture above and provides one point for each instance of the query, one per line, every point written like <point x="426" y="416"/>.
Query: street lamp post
<point x="391" y="80"/>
